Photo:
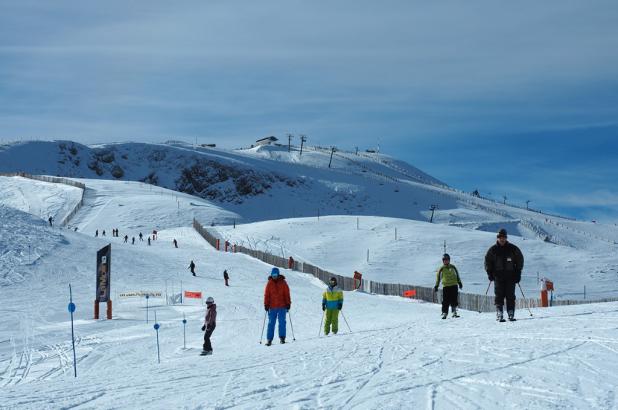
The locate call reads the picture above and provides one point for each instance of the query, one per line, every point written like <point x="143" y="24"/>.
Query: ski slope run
<point x="398" y="355"/>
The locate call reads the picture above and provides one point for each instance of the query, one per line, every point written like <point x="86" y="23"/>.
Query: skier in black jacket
<point x="503" y="264"/>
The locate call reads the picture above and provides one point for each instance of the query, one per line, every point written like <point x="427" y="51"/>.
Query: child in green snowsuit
<point x="332" y="302"/>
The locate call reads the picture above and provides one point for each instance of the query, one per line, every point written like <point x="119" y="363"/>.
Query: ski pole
<point x="291" y="325"/>
<point x="346" y="321"/>
<point x="263" y="324"/>
<point x="488" y="285"/>
<point x="321" y="321"/>
<point x="525" y="300"/>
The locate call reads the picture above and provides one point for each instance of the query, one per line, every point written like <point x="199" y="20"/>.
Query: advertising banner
<point x="141" y="294"/>
<point x="193" y="295"/>
<point x="104" y="259"/>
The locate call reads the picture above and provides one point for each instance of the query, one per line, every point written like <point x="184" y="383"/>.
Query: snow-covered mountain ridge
<point x="268" y="182"/>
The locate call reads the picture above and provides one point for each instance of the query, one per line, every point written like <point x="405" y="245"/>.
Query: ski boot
<point x="444" y="315"/>
<point x="206" y="353"/>
<point x="455" y="314"/>
<point x="500" y="314"/>
<point x="511" y="314"/>
<point x="269" y="342"/>
<point x="282" y="340"/>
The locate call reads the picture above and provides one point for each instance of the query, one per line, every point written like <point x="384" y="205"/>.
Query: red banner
<point x="193" y="295"/>
<point x="409" y="293"/>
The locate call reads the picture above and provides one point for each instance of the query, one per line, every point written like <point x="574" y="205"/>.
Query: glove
<point x="490" y="277"/>
<point x="203" y="328"/>
<point x="323" y="307"/>
<point x="435" y="288"/>
<point x="518" y="277"/>
<point x="288" y="307"/>
<point x="460" y="285"/>
<point x="266" y="308"/>
<point x="340" y="306"/>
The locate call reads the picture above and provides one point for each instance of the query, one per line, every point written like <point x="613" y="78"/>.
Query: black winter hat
<point x="502" y="233"/>
<point x="333" y="279"/>
<point x="446" y="256"/>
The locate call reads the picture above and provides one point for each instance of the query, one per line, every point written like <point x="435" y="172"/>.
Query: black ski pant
<point x="450" y="296"/>
<point x="207" y="346"/>
<point x="505" y="288"/>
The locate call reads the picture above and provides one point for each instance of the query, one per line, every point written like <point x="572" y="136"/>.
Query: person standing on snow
<point x="126" y="238"/>
<point x="226" y="277"/>
<point x="175" y="243"/>
<point x="133" y="240"/>
<point x="96" y="233"/>
<point x="50" y="219"/>
<point x="192" y="267"/>
<point x="149" y="241"/>
<point x="449" y="276"/>
<point x="503" y="264"/>
<point x="210" y="322"/>
<point x="277" y="303"/>
<point x="141" y="237"/>
<point x="332" y="303"/>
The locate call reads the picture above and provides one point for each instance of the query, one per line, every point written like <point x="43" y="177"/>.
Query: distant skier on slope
<point x="126" y="238"/>
<point x="175" y="243"/>
<point x="149" y="241"/>
<point x="226" y="277"/>
<point x="277" y="303"/>
<point x="192" y="267"/>
<point x="503" y="264"/>
<point x="449" y="276"/>
<point x="332" y="303"/>
<point x="96" y="233"/>
<point x="50" y="219"/>
<point x="210" y="322"/>
<point x="141" y="237"/>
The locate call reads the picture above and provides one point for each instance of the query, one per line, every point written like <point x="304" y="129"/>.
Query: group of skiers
<point x="115" y="233"/>
<point x="277" y="304"/>
<point x="504" y="263"/>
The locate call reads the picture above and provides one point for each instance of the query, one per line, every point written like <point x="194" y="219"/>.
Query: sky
<point x="511" y="98"/>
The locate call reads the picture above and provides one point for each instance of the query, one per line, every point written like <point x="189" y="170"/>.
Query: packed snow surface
<point x="409" y="252"/>
<point x="396" y="353"/>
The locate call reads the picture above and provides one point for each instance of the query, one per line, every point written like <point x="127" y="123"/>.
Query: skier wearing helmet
<point x="449" y="276"/>
<point x="277" y="303"/>
<point x="332" y="303"/>
<point x="210" y="322"/>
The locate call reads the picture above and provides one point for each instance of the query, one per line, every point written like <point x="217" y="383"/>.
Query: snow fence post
<point x="71" y="310"/>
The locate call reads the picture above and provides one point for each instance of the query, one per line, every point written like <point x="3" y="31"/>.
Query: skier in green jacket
<point x="449" y="276"/>
<point x="332" y="303"/>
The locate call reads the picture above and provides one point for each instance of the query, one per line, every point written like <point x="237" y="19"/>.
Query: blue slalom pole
<point x="156" y="327"/>
<point x="184" y="331"/>
<point x="147" y="297"/>
<point x="71" y="310"/>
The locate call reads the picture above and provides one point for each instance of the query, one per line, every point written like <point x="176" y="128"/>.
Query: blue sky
<point x="512" y="98"/>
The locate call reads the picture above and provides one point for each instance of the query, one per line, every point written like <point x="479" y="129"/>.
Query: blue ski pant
<point x="274" y="315"/>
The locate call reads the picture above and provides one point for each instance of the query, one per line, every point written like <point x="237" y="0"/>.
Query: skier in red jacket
<point x="277" y="303"/>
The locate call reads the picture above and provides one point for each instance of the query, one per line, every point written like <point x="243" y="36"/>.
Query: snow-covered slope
<point x="43" y="199"/>
<point x="398" y="355"/>
<point x="409" y="252"/>
<point x="268" y="182"/>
